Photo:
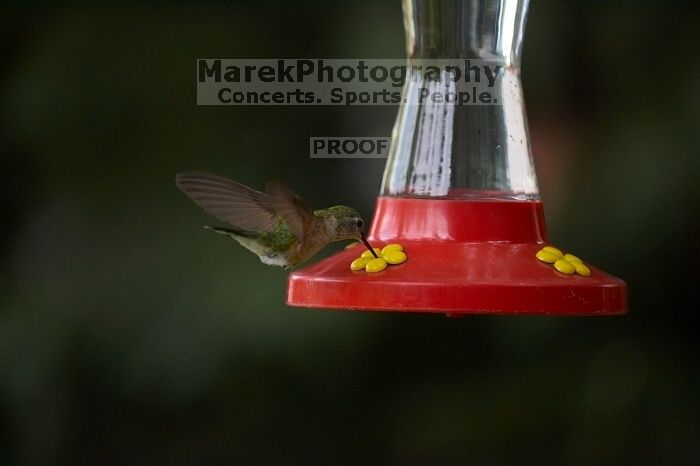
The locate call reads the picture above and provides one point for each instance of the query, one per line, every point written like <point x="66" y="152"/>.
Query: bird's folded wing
<point x="229" y="201"/>
<point x="292" y="209"/>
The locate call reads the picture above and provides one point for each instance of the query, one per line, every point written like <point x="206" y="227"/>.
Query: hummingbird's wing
<point x="229" y="201"/>
<point x="288" y="205"/>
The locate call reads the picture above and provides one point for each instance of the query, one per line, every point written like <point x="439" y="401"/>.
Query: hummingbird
<point x="275" y="225"/>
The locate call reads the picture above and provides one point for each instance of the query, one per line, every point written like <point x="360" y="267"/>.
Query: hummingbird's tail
<point x="232" y="232"/>
<point x="251" y="241"/>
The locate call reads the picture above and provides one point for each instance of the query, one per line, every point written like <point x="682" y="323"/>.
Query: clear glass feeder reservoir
<point x="460" y="191"/>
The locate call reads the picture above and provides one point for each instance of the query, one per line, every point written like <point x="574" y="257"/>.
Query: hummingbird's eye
<point x="359" y="223"/>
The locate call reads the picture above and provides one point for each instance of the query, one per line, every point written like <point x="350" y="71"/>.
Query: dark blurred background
<point x="129" y="336"/>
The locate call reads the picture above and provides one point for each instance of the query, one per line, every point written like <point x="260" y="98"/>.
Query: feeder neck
<point x="477" y="29"/>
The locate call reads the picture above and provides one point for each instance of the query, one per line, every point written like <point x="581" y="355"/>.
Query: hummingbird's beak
<point x="369" y="246"/>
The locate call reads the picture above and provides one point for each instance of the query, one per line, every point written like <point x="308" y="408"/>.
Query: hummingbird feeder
<point x="460" y="193"/>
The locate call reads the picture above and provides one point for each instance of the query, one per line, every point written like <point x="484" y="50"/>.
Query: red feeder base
<point x="464" y="257"/>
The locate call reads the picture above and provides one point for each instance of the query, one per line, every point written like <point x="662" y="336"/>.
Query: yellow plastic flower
<point x="565" y="263"/>
<point x="392" y="254"/>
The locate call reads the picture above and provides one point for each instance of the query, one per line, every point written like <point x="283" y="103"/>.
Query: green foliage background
<point x="128" y="335"/>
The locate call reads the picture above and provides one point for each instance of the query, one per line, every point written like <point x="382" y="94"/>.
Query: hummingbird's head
<point x="349" y="225"/>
